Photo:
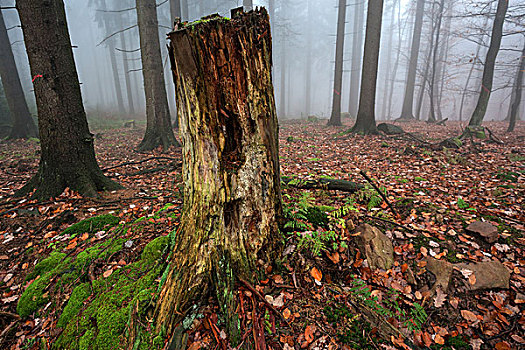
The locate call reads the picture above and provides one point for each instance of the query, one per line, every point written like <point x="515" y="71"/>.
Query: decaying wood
<point x="326" y="184"/>
<point x="228" y="127"/>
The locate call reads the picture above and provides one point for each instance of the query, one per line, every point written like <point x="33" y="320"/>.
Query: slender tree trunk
<point x="308" y="70"/>
<point x="175" y="11"/>
<point x="490" y="61"/>
<point x="396" y="64"/>
<point x="23" y="125"/>
<point x="271" y="10"/>
<point x="443" y="55"/>
<point x="519" y="83"/>
<point x="185" y="10"/>
<point x="176" y="14"/>
<point x="248" y="5"/>
<point x="5" y="116"/>
<point x="127" y="79"/>
<point x="357" y="50"/>
<point x="384" y="103"/>
<point x="408" y="101"/>
<point x="110" y="28"/>
<point x="335" y="118"/>
<point x="229" y="132"/>
<point x="67" y="157"/>
<point x="282" y="83"/>
<point x="435" y="50"/>
<point x="158" y="121"/>
<point x="366" y="122"/>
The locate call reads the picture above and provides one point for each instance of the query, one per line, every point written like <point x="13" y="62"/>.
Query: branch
<point x="129" y="51"/>
<point x="138" y="162"/>
<point x="120" y="31"/>
<point x="378" y="191"/>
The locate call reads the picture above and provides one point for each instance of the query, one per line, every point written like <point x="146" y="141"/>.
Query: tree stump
<point x="229" y="132"/>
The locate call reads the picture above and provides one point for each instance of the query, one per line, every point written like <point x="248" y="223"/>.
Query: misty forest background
<point x="304" y="38"/>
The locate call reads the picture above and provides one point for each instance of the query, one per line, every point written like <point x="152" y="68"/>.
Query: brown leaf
<point x="287" y="313"/>
<point x="440" y="298"/>
<point x="469" y="315"/>
<point x="316" y="274"/>
<point x="4" y="257"/>
<point x="502" y="346"/>
<point x="472" y="279"/>
<point x="107" y="273"/>
<point x="334" y="257"/>
<point x="71" y="245"/>
<point x="439" y="340"/>
<point x="427" y="339"/>
<point x="309" y="333"/>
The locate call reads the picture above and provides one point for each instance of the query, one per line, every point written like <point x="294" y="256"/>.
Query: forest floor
<point x="325" y="292"/>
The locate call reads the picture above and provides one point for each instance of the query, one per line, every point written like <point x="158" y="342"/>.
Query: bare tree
<point x="357" y="50"/>
<point x="388" y="70"/>
<point x="408" y="101"/>
<point x="67" y="157"/>
<point x="517" y="100"/>
<point x="432" y="82"/>
<point x="366" y="122"/>
<point x="488" y="71"/>
<point x="158" y="123"/>
<point x="23" y="124"/>
<point x="335" y="119"/>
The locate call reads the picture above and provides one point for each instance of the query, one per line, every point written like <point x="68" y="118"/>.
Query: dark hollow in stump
<point x="229" y="132"/>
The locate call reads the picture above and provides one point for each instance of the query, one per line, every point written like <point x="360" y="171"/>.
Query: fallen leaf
<point x="472" y="279"/>
<point x="439" y="340"/>
<point x="440" y="298"/>
<point x="469" y="315"/>
<point x="84" y="236"/>
<point x="309" y="333"/>
<point x="502" y="346"/>
<point x="334" y="257"/>
<point x="71" y="245"/>
<point x="316" y="274"/>
<point x="107" y="273"/>
<point x="287" y="313"/>
<point x="278" y="279"/>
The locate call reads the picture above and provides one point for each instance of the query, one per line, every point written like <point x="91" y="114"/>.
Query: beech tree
<point x="23" y="125"/>
<point x="366" y="122"/>
<point x="67" y="157"/>
<point x="335" y="119"/>
<point x="357" y="53"/>
<point x="517" y="99"/>
<point x="158" y="123"/>
<point x="229" y="132"/>
<point x="408" y="101"/>
<point x="490" y="61"/>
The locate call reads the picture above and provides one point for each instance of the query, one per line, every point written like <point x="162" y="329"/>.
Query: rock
<point x="488" y="275"/>
<point x="442" y="270"/>
<point x="375" y="246"/>
<point x="390" y="129"/>
<point x="486" y="230"/>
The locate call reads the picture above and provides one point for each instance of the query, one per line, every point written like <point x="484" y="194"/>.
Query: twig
<point x="138" y="162"/>
<point x="270" y="306"/>
<point x="379" y="191"/>
<point x="9" y="314"/>
<point x="117" y="32"/>
<point x="493" y="137"/>
<point x="393" y="223"/>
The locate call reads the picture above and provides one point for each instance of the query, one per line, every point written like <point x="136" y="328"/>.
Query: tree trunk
<point x="490" y="61"/>
<point x="408" y="102"/>
<point x="308" y="70"/>
<point x="282" y="82"/>
<point x="175" y="11"/>
<point x="366" y="122"/>
<point x="248" y="5"/>
<point x="185" y="10"/>
<point x="517" y="99"/>
<point x="67" y="157"/>
<point x="335" y="118"/>
<point x="396" y="64"/>
<point x="23" y="125"/>
<point x="125" y="59"/>
<point x="229" y="132"/>
<point x="384" y="103"/>
<point x="435" y="50"/>
<point x="357" y="49"/>
<point x="5" y="117"/>
<point x="158" y="121"/>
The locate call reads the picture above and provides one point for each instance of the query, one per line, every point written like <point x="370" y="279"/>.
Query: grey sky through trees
<point x="315" y="47"/>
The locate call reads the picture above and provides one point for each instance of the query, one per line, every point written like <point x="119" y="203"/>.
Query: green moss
<point x="154" y="249"/>
<point x="316" y="216"/>
<point x="92" y="225"/>
<point x="46" y="265"/>
<point x="75" y="303"/>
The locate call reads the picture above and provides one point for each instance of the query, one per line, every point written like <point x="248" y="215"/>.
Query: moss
<point x="46" y="265"/>
<point x="154" y="249"/>
<point x="102" y="323"/>
<point x="92" y="225"/>
<point x="317" y="217"/>
<point x="75" y="303"/>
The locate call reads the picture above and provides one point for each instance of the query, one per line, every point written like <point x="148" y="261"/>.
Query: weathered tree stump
<point x="229" y="132"/>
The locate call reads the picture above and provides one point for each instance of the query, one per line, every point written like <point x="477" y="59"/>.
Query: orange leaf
<point x="472" y="279"/>
<point x="316" y="274"/>
<point x="309" y="333"/>
<point x="84" y="236"/>
<point x="287" y="313"/>
<point x="107" y="273"/>
<point x="71" y="245"/>
<point x="469" y="315"/>
<point x="502" y="346"/>
<point x="439" y="340"/>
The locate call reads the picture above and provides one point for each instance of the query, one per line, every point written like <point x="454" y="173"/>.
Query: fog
<point x="299" y="29"/>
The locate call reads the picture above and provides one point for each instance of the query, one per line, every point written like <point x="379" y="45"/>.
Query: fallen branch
<point x="327" y="184"/>
<point x="378" y="191"/>
<point x="138" y="162"/>
<point x="270" y="306"/>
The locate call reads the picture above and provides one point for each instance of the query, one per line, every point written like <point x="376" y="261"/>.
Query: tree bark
<point x="490" y="61"/>
<point x="335" y="119"/>
<point x="67" y="157"/>
<point x="125" y="58"/>
<point x="517" y="100"/>
<point x="158" y="121"/>
<point x="357" y="50"/>
<point x="23" y="125"/>
<point x="229" y="132"/>
<point x="366" y="122"/>
<point x="408" y="101"/>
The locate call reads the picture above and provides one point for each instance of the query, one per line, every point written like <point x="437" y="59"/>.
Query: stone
<point x="375" y="246"/>
<point x="486" y="230"/>
<point x="442" y="270"/>
<point x="390" y="129"/>
<point x="488" y="275"/>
